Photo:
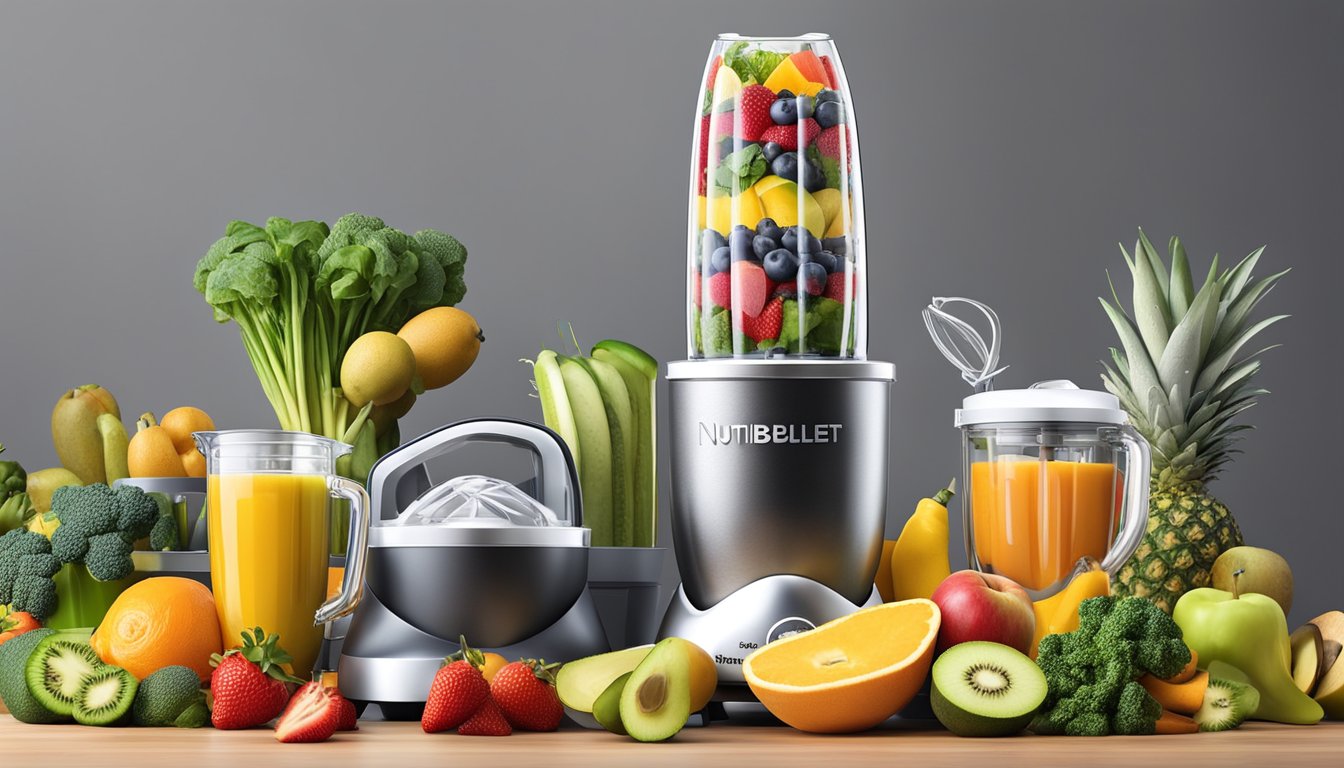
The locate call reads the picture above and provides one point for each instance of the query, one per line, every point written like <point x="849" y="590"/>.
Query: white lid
<point x="1057" y="400"/>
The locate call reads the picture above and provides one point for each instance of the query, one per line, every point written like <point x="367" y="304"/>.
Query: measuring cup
<point x="268" y="496"/>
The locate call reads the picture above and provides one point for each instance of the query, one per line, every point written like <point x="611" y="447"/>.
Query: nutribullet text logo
<point x="756" y="434"/>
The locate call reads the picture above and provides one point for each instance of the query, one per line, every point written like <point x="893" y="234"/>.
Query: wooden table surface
<point x="403" y="745"/>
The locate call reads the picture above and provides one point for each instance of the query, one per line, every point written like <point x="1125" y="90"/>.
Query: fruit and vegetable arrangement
<point x="772" y="270"/>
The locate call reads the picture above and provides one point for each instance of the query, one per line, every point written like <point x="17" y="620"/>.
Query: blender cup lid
<point x="480" y="511"/>
<point x="1057" y="400"/>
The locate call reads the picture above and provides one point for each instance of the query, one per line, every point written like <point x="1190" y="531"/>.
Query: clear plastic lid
<point x="475" y="501"/>
<point x="775" y="237"/>
<point x="1055" y="401"/>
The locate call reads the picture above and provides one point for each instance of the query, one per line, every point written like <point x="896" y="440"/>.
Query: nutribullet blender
<point x="779" y="423"/>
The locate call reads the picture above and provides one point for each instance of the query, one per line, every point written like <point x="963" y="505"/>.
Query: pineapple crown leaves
<point x="1180" y="371"/>
<point x="264" y="651"/>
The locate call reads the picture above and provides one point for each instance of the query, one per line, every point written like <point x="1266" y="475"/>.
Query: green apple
<point x="1249" y="632"/>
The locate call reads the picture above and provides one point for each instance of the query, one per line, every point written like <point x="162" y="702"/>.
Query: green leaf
<point x="1235" y="314"/>
<point x="740" y="169"/>
<point x="1152" y="313"/>
<point x="1182" y="287"/>
<point x="1180" y="360"/>
<point x="1215" y="367"/>
<point x="1235" y="279"/>
<point x="1154" y="261"/>
<point x="1142" y="375"/>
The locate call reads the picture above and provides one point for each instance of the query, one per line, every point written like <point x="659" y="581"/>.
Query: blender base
<point x="385" y="661"/>
<point x="764" y="610"/>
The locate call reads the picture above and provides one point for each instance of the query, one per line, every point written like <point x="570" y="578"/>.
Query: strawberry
<point x="721" y="290"/>
<point x="525" y="693"/>
<point x="753" y="112"/>
<point x="787" y="289"/>
<point x="488" y="720"/>
<point x="349" y="718"/>
<point x="836" y="285"/>
<point x="786" y="136"/>
<point x="313" y="714"/>
<point x="248" y="686"/>
<point x="696" y="287"/>
<point x="713" y="73"/>
<point x="828" y="144"/>
<point x="830" y="72"/>
<point x="749" y="287"/>
<point x="458" y="690"/>
<point x="767" y="324"/>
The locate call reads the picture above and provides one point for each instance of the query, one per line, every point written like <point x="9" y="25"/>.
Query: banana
<point x="115" y="444"/>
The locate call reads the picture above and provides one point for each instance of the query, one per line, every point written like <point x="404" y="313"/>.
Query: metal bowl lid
<point x="1054" y="401"/>
<point x="473" y="510"/>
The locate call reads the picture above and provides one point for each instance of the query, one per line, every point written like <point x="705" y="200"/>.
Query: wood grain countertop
<point x="403" y="745"/>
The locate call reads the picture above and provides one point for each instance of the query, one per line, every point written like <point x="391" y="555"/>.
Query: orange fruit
<point x="181" y="422"/>
<point x="848" y="674"/>
<point x="493" y="663"/>
<point x="445" y="342"/>
<point x="151" y="454"/>
<point x="159" y="622"/>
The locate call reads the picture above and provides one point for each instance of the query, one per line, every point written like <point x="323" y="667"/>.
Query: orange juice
<point x="1032" y="520"/>
<point x="268" y="558"/>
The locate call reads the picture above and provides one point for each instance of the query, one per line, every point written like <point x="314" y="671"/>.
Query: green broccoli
<point x="26" y="570"/>
<point x="1091" y="672"/>
<point x="100" y="525"/>
<point x="163" y="537"/>
<point x="170" y="696"/>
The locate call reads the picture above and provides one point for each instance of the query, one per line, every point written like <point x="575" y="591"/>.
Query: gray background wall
<point x="1007" y="147"/>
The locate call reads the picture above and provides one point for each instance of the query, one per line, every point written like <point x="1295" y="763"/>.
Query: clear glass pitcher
<point x="1053" y="474"/>
<point x="268" y="496"/>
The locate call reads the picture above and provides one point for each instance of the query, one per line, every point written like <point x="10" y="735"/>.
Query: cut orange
<point x="849" y="674"/>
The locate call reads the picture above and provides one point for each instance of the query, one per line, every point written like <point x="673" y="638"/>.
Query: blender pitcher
<point x="268" y="500"/>
<point x="1055" y="477"/>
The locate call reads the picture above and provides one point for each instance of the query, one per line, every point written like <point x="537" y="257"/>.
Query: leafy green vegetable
<point x="830" y="168"/>
<point x="740" y="169"/>
<point x="754" y="65"/>
<point x="827" y="318"/>
<point x="301" y="293"/>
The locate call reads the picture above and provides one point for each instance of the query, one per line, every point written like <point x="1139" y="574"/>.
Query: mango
<point x="723" y="212"/>
<point x="829" y="200"/>
<point x="780" y="202"/>
<point x="74" y="431"/>
<point x="787" y="75"/>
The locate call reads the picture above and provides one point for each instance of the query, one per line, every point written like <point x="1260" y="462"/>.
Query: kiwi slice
<point x="986" y="689"/>
<point x="1227" y="704"/>
<point x="55" y="669"/>
<point x="104" y="696"/>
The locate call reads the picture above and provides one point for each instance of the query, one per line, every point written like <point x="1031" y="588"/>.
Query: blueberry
<point x="806" y="106"/>
<point x="837" y="245"/>
<point x="770" y="229"/>
<point x="814" y="277"/>
<point x="796" y="236"/>
<point x="762" y="245"/>
<point x="739" y="243"/>
<point x="780" y="265"/>
<point x="771" y="150"/>
<point x="826" y="94"/>
<point x="721" y="260"/>
<point x="826" y="259"/>
<point x="813" y="177"/>
<point x="828" y="114"/>
<point x="786" y="166"/>
<point x="711" y="239"/>
<point x="784" y="112"/>
<point x="784" y="94"/>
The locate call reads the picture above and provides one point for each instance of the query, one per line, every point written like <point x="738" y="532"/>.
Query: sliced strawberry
<point x="488" y="720"/>
<point x="753" y="112"/>
<point x="313" y="714"/>
<point x="721" y="290"/>
<point x="349" y="718"/>
<point x="767" y="324"/>
<point x="837" y="287"/>
<point x="828" y="144"/>
<point x="749" y="289"/>
<point x="697" y="286"/>
<point x="713" y="73"/>
<point x="786" y="136"/>
<point x="830" y="72"/>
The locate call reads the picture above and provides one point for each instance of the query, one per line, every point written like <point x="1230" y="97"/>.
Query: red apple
<point x="983" y="606"/>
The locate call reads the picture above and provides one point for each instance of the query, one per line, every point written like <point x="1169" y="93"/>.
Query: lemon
<point x="378" y="368"/>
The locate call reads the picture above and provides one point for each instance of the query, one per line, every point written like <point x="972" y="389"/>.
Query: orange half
<point x="848" y="674"/>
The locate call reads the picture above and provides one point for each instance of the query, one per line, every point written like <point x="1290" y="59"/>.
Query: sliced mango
<point x="781" y="203"/>
<point x="786" y="75"/>
<point x="829" y="200"/>
<point x="723" y="212"/>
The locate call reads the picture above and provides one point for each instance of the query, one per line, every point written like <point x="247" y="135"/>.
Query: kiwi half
<point x="1227" y="704"/>
<point x="55" y="669"/>
<point x="986" y="689"/>
<point x="104" y="696"/>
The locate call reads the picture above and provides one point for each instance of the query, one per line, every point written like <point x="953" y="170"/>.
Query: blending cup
<point x="269" y="512"/>
<point x="1053" y="474"/>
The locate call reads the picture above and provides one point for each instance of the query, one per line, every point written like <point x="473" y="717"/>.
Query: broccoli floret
<point x="89" y="508"/>
<point x="137" y="512"/>
<point x="69" y="544"/>
<point x="1091" y="671"/>
<point x="26" y="568"/>
<point x="109" y="557"/>
<point x="163" y="537"/>
<point x="170" y="696"/>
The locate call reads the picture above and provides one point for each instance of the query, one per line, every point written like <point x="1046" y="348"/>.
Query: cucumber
<point x="594" y="440"/>
<point x="624" y="437"/>
<point x="555" y="410"/>
<point x="640" y="372"/>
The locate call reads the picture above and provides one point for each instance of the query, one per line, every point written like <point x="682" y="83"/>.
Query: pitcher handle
<point x="352" y="584"/>
<point x="1134" y="514"/>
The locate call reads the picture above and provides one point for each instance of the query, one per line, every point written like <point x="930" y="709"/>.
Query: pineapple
<point x="1183" y="376"/>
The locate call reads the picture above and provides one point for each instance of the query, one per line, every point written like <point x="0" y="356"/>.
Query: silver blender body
<point x="779" y="478"/>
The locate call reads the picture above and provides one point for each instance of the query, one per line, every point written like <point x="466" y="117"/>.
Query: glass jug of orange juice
<point x="1053" y="474"/>
<point x="268" y="505"/>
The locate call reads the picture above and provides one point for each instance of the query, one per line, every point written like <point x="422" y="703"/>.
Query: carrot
<point x="1188" y="671"/>
<point x="1184" y="698"/>
<point x="1172" y="723"/>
